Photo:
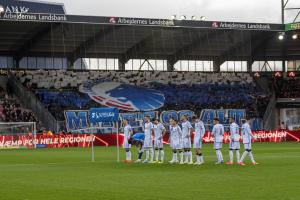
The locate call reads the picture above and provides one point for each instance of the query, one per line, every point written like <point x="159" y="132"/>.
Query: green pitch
<point x="68" y="174"/>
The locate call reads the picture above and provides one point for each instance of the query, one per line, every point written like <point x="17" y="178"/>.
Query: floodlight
<point x="1" y="9"/>
<point x="173" y="17"/>
<point x="281" y="36"/>
<point x="182" y="17"/>
<point x="295" y="36"/>
<point x="202" y="18"/>
<point x="194" y="17"/>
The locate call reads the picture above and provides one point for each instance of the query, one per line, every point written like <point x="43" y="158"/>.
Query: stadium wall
<point x="84" y="140"/>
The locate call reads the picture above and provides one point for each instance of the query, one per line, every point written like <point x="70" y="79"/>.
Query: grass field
<point x="69" y="174"/>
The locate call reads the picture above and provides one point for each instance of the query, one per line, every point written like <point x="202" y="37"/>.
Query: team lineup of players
<point x="151" y="141"/>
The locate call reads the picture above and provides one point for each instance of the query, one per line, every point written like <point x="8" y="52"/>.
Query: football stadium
<point x="110" y="107"/>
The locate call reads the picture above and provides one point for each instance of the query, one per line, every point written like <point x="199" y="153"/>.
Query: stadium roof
<point x="23" y="34"/>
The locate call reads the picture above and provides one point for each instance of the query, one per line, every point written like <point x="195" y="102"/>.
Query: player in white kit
<point x="218" y="134"/>
<point x="247" y="137"/>
<point x="127" y="136"/>
<point x="159" y="132"/>
<point x="234" y="144"/>
<point x="176" y="138"/>
<point x="186" y="140"/>
<point x="148" y="142"/>
<point x="199" y="133"/>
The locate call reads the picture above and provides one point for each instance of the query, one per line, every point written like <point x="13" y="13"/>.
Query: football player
<point x="148" y="142"/>
<point x="126" y="143"/>
<point x="159" y="132"/>
<point x="199" y="133"/>
<point x="247" y="137"/>
<point x="176" y="138"/>
<point x="234" y="144"/>
<point x="186" y="139"/>
<point x="218" y="134"/>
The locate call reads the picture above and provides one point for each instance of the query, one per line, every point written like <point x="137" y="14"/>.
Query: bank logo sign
<point x="14" y="9"/>
<point x="22" y="13"/>
<point x="140" y="21"/>
<point x="245" y="26"/>
<point x="123" y="96"/>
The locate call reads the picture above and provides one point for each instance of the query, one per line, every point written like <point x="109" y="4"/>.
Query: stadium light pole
<point x="283" y="4"/>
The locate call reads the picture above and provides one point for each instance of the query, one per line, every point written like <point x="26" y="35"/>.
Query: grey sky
<point x="227" y="10"/>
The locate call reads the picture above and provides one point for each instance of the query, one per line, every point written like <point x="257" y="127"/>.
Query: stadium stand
<point x="59" y="89"/>
<point x="287" y="88"/>
<point x="12" y="111"/>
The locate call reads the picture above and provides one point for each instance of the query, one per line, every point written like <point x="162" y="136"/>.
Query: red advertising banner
<point x="84" y="140"/>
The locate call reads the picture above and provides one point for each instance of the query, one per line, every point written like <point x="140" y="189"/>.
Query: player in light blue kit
<point x="234" y="144"/>
<point x="247" y="137"/>
<point x="218" y="134"/>
<point x="199" y="133"/>
<point x="186" y="140"/>
<point x="159" y="132"/>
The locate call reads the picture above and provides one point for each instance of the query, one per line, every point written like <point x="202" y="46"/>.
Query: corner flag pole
<point x="118" y="148"/>
<point x="93" y="151"/>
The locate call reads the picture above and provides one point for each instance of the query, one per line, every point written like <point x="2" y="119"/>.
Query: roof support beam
<point x="134" y="50"/>
<point x="41" y="32"/>
<point x="235" y="47"/>
<point x="187" y="49"/>
<point x="83" y="46"/>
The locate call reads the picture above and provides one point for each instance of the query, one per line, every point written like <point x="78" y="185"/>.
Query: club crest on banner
<point x="123" y="96"/>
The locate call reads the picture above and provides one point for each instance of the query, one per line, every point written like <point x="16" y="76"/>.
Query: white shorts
<point x="126" y="145"/>
<point x="186" y="143"/>
<point x="148" y="143"/>
<point x="247" y="146"/>
<point x="177" y="144"/>
<point x="234" y="145"/>
<point x="158" y="144"/>
<point x="218" y="145"/>
<point x="197" y="143"/>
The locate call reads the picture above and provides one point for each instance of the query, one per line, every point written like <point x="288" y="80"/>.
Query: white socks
<point x="186" y="156"/>
<point x="251" y="157"/>
<point x="191" y="156"/>
<point x="237" y="155"/>
<point x="156" y="155"/>
<point x="162" y="155"/>
<point x="230" y="155"/>
<point x="147" y="154"/>
<point x="181" y="157"/>
<point x="128" y="155"/>
<point x="151" y="154"/>
<point x="174" y="157"/>
<point x="219" y="156"/>
<point x="244" y="156"/>
<point x="201" y="159"/>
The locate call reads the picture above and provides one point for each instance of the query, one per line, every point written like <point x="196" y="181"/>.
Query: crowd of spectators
<point x="59" y="90"/>
<point x="287" y="88"/>
<point x="11" y="110"/>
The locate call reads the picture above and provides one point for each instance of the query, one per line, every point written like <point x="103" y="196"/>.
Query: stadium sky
<point x="225" y="10"/>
